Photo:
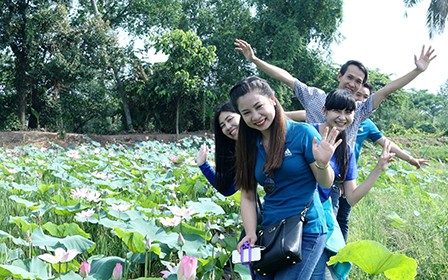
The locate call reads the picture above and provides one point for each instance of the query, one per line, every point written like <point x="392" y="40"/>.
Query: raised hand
<point x="425" y="58"/>
<point x="201" y="157"/>
<point x="325" y="149"/>
<point x="418" y="162"/>
<point x="245" y="48"/>
<point x="386" y="156"/>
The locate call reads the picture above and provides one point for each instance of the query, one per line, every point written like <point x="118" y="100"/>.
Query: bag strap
<point x="303" y="213"/>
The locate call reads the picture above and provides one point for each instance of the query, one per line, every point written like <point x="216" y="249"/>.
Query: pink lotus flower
<point x="116" y="273"/>
<point x="79" y="193"/>
<point x="73" y="154"/>
<point x="84" y="269"/>
<point x="171" y="270"/>
<point x="181" y="212"/>
<point x="187" y="268"/>
<point x="174" y="159"/>
<point x="121" y="207"/>
<point x="60" y="256"/>
<point x="85" y="214"/>
<point x="180" y="240"/>
<point x="148" y="244"/>
<point x="93" y="196"/>
<point x="170" y="222"/>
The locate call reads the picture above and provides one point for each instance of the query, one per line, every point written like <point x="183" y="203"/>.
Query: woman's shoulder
<point x="300" y="131"/>
<point x="296" y="126"/>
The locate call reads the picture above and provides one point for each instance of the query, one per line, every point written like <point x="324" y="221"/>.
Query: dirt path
<point x="10" y="139"/>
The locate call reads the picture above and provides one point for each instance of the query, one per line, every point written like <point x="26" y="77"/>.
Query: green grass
<point x="406" y="211"/>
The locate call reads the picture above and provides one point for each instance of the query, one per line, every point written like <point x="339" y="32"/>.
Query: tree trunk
<point x="33" y="121"/>
<point x="94" y="6"/>
<point x="122" y="93"/>
<point x="20" y="51"/>
<point x="21" y="83"/>
<point x="177" y="118"/>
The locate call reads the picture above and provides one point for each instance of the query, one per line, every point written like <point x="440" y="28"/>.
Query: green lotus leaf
<point x="35" y="266"/>
<point x="69" y="210"/>
<point x="101" y="268"/>
<point x="48" y="187"/>
<point x="134" y="241"/>
<point x="81" y="244"/>
<point x="373" y="258"/>
<point x="65" y="230"/>
<point x="24" y="187"/>
<point x="22" y="201"/>
<point x="23" y="223"/>
<point x="108" y="223"/>
<point x="205" y="206"/>
<point x="4" y="235"/>
<point x="16" y="272"/>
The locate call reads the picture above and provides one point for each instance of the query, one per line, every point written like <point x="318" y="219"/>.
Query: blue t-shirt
<point x="209" y="173"/>
<point x="352" y="171"/>
<point x="367" y="129"/>
<point x="294" y="180"/>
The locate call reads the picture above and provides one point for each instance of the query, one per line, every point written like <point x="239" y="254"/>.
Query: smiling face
<point x="340" y="119"/>
<point x="352" y="79"/>
<point x="229" y="123"/>
<point x="258" y="110"/>
<point x="362" y="94"/>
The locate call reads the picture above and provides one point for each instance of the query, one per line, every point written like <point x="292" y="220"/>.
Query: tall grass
<point x="406" y="211"/>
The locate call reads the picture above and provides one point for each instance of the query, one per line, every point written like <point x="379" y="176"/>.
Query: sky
<point x="383" y="38"/>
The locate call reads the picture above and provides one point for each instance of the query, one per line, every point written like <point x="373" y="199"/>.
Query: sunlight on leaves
<point x="374" y="258"/>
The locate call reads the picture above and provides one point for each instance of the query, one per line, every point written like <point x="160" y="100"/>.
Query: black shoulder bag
<point x="281" y="244"/>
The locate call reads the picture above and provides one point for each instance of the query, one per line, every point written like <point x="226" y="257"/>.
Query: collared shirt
<point x="313" y="100"/>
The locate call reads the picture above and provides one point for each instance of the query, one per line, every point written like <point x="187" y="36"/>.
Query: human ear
<point x="273" y="101"/>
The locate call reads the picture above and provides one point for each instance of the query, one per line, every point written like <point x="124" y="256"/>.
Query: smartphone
<point x="255" y="255"/>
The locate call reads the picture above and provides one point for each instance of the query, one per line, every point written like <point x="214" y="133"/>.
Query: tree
<point x="187" y="66"/>
<point x="436" y="15"/>
<point x="284" y="33"/>
<point x="444" y="89"/>
<point x="23" y="30"/>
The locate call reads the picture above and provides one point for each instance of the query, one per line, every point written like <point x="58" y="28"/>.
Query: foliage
<point x="403" y="212"/>
<point x="130" y="205"/>
<point x="132" y="194"/>
<point x="68" y="67"/>
<point x="436" y="16"/>
<point x="409" y="111"/>
<point x="188" y="64"/>
<point x="374" y="258"/>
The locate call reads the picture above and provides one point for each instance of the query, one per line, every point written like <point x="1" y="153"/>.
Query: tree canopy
<point x="436" y="15"/>
<point x="66" y="65"/>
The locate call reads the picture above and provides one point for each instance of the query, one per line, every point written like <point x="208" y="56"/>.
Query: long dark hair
<point x="341" y="99"/>
<point x="246" y="145"/>
<point x="224" y="152"/>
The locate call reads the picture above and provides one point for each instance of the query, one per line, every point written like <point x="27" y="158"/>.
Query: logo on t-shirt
<point x="288" y="153"/>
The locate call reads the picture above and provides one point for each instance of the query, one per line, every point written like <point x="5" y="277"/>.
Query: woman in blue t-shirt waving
<point x="272" y="148"/>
